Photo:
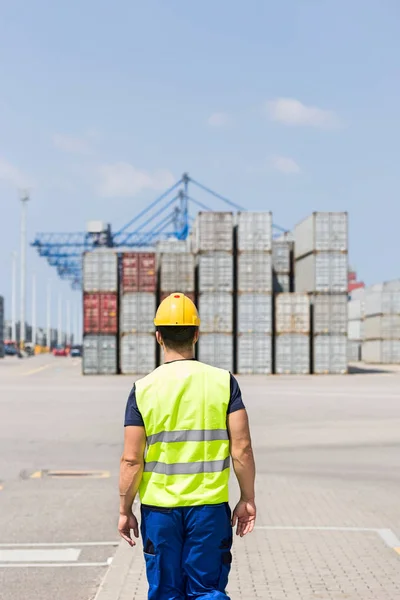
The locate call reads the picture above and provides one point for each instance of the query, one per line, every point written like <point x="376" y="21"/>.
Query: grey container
<point x="292" y="354"/>
<point x="254" y="232"/>
<point x="292" y="313"/>
<point x="215" y="272"/>
<point x="213" y="232"/>
<point x="254" y="313"/>
<point x="99" y="355"/>
<point x="100" y="271"/>
<point x="382" y="327"/>
<point x="356" y="330"/>
<point x="385" y="352"/>
<point x="330" y="313"/>
<point x="281" y="257"/>
<point x="254" y="354"/>
<point x="281" y="283"/>
<point x="330" y="354"/>
<point x="321" y="232"/>
<point x="322" y="272"/>
<point x="254" y="272"/>
<point x="137" y="312"/>
<point x="216" y="312"/>
<point x="354" y="351"/>
<point x="137" y="353"/>
<point x="177" y="272"/>
<point x="172" y="246"/>
<point x="382" y="303"/>
<point x="216" y="349"/>
<point x="356" y="310"/>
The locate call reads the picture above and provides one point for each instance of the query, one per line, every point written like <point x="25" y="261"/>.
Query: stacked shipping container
<point x="100" y="312"/>
<point x="212" y="241"/>
<point x="282" y="254"/>
<point x="382" y="324"/>
<point x="292" y="333"/>
<point x="321" y="269"/>
<point x="137" y="309"/>
<point x="356" y="314"/>
<point x="254" y="292"/>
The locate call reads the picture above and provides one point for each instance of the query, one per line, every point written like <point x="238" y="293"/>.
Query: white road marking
<point x="389" y="537"/>
<point x="52" y="565"/>
<point x="59" y="544"/>
<point x="54" y="555"/>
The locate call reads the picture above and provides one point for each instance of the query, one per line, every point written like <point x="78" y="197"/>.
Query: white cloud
<point x="285" y="164"/>
<point x="292" y="112"/>
<point x="12" y="175"/>
<point x="123" y="180"/>
<point x="72" y="144"/>
<point x="219" y="119"/>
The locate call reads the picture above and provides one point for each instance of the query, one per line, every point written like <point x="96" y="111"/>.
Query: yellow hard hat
<point x="177" y="309"/>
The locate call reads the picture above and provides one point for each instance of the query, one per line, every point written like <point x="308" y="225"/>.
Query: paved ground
<point x="327" y="451"/>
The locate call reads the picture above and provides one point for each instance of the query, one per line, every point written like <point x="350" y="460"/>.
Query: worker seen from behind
<point x="183" y="423"/>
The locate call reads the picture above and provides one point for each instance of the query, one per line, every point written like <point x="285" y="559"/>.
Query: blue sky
<point x="289" y="106"/>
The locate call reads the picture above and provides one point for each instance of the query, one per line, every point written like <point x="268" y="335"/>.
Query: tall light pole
<point x="59" y="324"/>
<point x="14" y="298"/>
<point x="34" y="309"/>
<point x="48" y="316"/>
<point x="24" y="200"/>
<point x="68" y="333"/>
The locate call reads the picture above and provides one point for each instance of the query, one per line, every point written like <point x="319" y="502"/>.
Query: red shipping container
<point x="355" y="285"/>
<point x="100" y="313"/>
<point x="139" y="272"/>
<point x="352" y="276"/>
<point x="166" y="294"/>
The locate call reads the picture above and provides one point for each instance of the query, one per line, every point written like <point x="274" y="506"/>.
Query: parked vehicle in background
<point x="60" y="351"/>
<point x="10" y="350"/>
<point x="76" y="351"/>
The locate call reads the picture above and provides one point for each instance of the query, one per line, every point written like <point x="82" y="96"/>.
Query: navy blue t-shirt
<point x="133" y="416"/>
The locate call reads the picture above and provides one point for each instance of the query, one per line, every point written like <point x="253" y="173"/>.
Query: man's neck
<point x="172" y="355"/>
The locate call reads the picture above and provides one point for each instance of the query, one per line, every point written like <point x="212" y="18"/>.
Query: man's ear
<point x="196" y="336"/>
<point x="159" y="338"/>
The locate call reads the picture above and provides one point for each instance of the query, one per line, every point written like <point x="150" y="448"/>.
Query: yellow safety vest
<point x="184" y="408"/>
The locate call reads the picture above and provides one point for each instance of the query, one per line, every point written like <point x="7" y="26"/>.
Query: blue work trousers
<point x="187" y="551"/>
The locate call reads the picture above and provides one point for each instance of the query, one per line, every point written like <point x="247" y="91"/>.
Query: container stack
<point x="212" y="241"/>
<point x="176" y="274"/>
<point x="137" y="310"/>
<point x="254" y="292"/>
<point x="282" y="253"/>
<point x="321" y="268"/>
<point x="356" y="314"/>
<point x="382" y="324"/>
<point x="100" y="312"/>
<point x="292" y="334"/>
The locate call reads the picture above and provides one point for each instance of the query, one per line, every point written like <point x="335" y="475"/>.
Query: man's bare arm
<point x="244" y="466"/>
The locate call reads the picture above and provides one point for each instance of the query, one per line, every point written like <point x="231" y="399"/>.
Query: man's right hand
<point x="244" y="516"/>
<point x="126" y="524"/>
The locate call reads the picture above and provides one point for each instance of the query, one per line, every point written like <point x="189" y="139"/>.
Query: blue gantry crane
<point x="169" y="216"/>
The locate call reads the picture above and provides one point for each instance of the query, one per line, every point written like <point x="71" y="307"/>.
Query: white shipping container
<point x="292" y="354"/>
<point x="330" y="313"/>
<point x="172" y="246"/>
<point x="281" y="254"/>
<point x="137" y="312"/>
<point x="358" y="294"/>
<point x="99" y="355"/>
<point x="356" y="330"/>
<point x="292" y="313"/>
<point x="213" y="232"/>
<point x="382" y="327"/>
<point x="90" y="358"/>
<point x="392" y="286"/>
<point x="177" y="272"/>
<point x="254" y="272"/>
<point x="330" y="354"/>
<point x="100" y="271"/>
<point x="356" y="310"/>
<point x="216" y="312"/>
<point x="321" y="232"/>
<point x="216" y="349"/>
<point x="137" y="353"/>
<point x="254" y="232"/>
<point x="254" y="353"/>
<point x="354" y="351"/>
<point x="215" y="272"/>
<point x="382" y="303"/>
<point x="254" y="313"/>
<point x="281" y="283"/>
<point x="385" y="352"/>
<point x="322" y="272"/>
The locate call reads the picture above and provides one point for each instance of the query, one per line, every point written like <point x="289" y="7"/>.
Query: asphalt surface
<point x="337" y="434"/>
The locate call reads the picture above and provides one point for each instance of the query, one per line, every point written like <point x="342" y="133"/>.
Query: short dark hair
<point x="177" y="337"/>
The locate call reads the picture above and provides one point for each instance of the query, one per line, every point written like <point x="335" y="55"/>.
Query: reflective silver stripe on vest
<point x="196" y="435"/>
<point x="212" y="466"/>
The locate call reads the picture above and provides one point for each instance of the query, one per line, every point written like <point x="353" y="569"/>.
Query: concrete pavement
<point x="327" y="451"/>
